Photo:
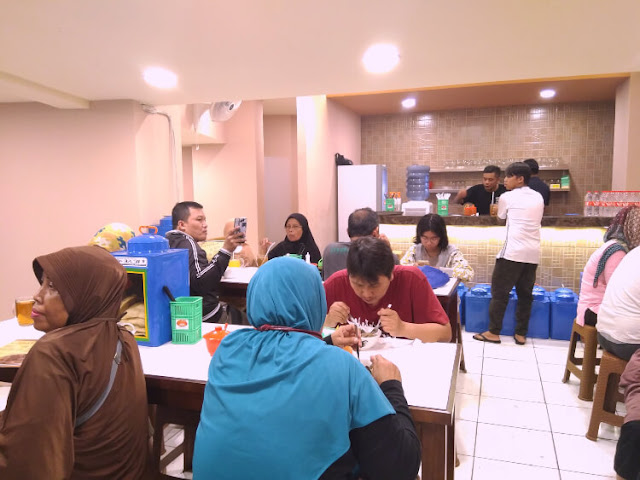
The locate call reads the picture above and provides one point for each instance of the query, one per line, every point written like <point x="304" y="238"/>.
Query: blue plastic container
<point x="165" y="225"/>
<point x="564" y="306"/>
<point x="462" y="290"/>
<point x="509" y="319"/>
<point x="540" y="314"/>
<point x="476" y="309"/>
<point x="150" y="265"/>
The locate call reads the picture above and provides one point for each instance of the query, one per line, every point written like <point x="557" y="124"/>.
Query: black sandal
<point x="481" y="338"/>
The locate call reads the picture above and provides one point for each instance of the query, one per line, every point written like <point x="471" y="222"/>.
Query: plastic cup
<point x="23" y="310"/>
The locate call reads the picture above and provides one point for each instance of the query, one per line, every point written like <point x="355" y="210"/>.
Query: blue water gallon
<point x="564" y="307"/>
<point x="476" y="309"/>
<point x="540" y="314"/>
<point x="150" y="265"/>
<point x="462" y="290"/>
<point x="509" y="319"/>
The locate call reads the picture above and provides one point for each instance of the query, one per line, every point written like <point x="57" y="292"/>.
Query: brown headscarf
<point x="90" y="281"/>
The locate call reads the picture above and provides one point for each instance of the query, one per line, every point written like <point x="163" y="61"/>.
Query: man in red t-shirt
<point x="373" y="288"/>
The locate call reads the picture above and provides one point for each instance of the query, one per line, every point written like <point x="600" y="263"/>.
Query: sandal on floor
<point x="518" y="342"/>
<point x="481" y="338"/>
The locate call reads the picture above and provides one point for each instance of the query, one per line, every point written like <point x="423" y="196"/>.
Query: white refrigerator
<point x="359" y="186"/>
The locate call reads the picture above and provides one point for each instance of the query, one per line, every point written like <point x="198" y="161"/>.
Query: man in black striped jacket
<point x="189" y="228"/>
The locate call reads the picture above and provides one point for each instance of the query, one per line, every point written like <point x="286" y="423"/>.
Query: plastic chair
<point x="586" y="374"/>
<point x="607" y="395"/>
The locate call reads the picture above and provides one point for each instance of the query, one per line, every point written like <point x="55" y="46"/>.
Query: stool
<point x="607" y="395"/>
<point x="586" y="374"/>
<point x="164" y="416"/>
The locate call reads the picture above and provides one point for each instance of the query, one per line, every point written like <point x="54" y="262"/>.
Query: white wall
<point x="324" y="128"/>
<point x="626" y="139"/>
<point x="280" y="173"/>
<point x="66" y="173"/>
<point x="227" y="179"/>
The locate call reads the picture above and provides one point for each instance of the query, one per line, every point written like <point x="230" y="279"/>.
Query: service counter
<point x="567" y="242"/>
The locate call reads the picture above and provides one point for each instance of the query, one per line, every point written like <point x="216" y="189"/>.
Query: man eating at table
<point x="372" y="288"/>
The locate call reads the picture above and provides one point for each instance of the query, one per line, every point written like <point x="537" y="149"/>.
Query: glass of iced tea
<point x="23" y="310"/>
<point x="493" y="209"/>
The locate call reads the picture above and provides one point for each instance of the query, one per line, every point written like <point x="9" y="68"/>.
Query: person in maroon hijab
<point x="78" y="405"/>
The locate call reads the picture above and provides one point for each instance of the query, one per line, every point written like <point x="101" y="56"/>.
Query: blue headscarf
<point x="281" y="404"/>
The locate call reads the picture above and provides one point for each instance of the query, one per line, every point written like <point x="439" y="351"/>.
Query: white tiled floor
<point x="528" y="424"/>
<point x="514" y="417"/>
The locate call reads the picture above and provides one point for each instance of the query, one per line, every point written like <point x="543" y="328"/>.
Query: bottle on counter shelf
<point x="595" y="209"/>
<point x="588" y="204"/>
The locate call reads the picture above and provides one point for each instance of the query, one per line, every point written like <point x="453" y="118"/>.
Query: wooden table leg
<point x="434" y="451"/>
<point x="451" y="449"/>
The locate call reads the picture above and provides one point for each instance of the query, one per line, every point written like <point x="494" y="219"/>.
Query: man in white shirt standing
<point x="518" y="259"/>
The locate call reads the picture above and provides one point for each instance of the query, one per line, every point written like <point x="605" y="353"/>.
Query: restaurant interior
<point x="85" y="141"/>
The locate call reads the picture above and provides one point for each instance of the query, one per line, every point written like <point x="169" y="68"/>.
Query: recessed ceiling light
<point x="381" y="58"/>
<point x="409" y="102"/>
<point x="547" y="93"/>
<point x="160" y="77"/>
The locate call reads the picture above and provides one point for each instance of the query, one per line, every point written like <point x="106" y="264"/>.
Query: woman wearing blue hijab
<point x="280" y="403"/>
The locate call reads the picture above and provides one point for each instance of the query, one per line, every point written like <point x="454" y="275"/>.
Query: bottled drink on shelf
<point x="588" y="204"/>
<point x="595" y="209"/>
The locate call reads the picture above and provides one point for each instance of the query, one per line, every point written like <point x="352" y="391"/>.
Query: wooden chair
<point x="164" y="416"/>
<point x="586" y="374"/>
<point x="607" y="395"/>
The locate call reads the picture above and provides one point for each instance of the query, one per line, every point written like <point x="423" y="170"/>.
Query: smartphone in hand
<point x="240" y="223"/>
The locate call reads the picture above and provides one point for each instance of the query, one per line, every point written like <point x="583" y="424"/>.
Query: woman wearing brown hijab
<point x="55" y="425"/>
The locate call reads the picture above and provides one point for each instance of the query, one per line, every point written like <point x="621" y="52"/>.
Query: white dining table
<point x="176" y="375"/>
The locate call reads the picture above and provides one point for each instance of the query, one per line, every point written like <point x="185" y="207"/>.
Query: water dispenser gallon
<point x="476" y="309"/>
<point x="564" y="307"/>
<point x="418" y="182"/>
<point x="540" y="314"/>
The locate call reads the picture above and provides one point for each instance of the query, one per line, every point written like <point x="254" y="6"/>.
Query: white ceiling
<point x="66" y="53"/>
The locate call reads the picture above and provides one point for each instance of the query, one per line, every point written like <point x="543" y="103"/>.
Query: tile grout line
<point x="546" y="406"/>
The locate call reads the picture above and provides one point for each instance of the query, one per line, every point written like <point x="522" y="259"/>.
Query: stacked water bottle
<point x="609" y="202"/>
<point x="418" y="182"/>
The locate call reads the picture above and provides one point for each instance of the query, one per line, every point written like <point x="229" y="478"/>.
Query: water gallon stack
<point x="418" y="182"/>
<point x="564" y="306"/>
<point x="150" y="265"/>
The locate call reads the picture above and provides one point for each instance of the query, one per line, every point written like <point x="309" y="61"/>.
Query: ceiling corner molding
<point x="30" y="91"/>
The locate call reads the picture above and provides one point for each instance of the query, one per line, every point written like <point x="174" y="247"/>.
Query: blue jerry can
<point x="564" y="306"/>
<point x="476" y="308"/>
<point x="540" y="314"/>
